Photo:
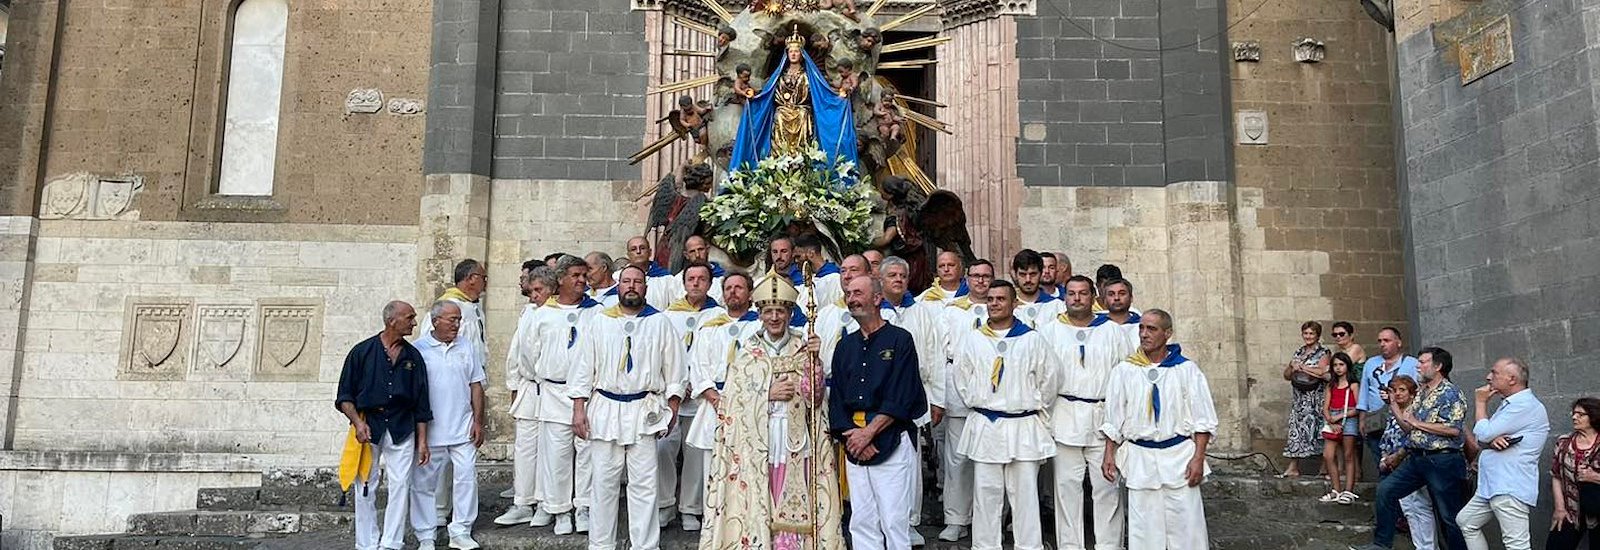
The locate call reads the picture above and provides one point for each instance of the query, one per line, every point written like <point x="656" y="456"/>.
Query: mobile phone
<point x="1512" y="441"/>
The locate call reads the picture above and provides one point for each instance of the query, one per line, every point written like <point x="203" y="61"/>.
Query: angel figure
<point x="849" y="79"/>
<point x="820" y="46"/>
<point x="847" y="7"/>
<point x="867" y="39"/>
<point x="726" y="35"/>
<point x="919" y="225"/>
<point x="742" y="90"/>
<point x="888" y="114"/>
<point x="675" y="213"/>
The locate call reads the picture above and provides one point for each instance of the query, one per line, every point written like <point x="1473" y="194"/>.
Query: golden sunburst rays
<point x="689" y="84"/>
<point x="654" y="147"/>
<point x="878" y="5"/>
<point x="716" y="7"/>
<point x="692" y="53"/>
<point x="915" y="44"/>
<point x="686" y="23"/>
<point x="923" y="120"/>
<point x="920" y="100"/>
<point x="908" y="17"/>
<point x="907" y="64"/>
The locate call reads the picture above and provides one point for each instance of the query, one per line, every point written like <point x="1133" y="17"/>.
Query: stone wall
<point x="1318" y="212"/>
<point x="1501" y="178"/>
<point x="570" y="98"/>
<point x="208" y="338"/>
<point x="136" y="87"/>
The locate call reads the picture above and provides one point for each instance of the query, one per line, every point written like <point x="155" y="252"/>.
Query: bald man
<point x="663" y="286"/>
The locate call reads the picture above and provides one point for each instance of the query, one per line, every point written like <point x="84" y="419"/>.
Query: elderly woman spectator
<point x="1575" y="481"/>
<point x="1307" y="373"/>
<point x="1344" y="336"/>
<point x="1416" y="507"/>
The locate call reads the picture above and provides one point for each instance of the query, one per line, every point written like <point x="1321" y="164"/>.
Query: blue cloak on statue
<point x="832" y="116"/>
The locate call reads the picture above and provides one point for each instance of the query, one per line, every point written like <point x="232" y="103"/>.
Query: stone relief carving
<point x="1251" y="127"/>
<point x="219" y="335"/>
<point x="1248" y="51"/>
<point x="1308" y="50"/>
<point x="154" y="337"/>
<point x="86" y="196"/>
<point x="962" y="12"/>
<point x="1485" y="50"/>
<point x="363" y="101"/>
<point x="405" y="106"/>
<point x="289" y="340"/>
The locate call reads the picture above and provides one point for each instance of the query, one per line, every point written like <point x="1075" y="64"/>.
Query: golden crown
<point x="795" y="40"/>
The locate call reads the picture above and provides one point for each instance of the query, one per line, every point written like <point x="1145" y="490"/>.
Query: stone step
<point x="237" y="523"/>
<point x="1274" y="488"/>
<point x="328" y="478"/>
<point x="130" y="542"/>
<point x="1291" y="512"/>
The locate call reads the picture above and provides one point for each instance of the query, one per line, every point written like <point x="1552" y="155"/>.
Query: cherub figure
<point x="726" y="35"/>
<point x="868" y="39"/>
<point x="742" y="90"/>
<point x="849" y="79"/>
<point x="889" y="126"/>
<point x="847" y="7"/>
<point x="820" y="46"/>
<point x="692" y="117"/>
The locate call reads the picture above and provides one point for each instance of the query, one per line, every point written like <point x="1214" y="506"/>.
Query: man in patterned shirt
<point x="1434" y="459"/>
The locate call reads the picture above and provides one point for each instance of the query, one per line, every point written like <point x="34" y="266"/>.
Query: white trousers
<point x="462" y="461"/>
<point x="916" y="479"/>
<point x="1166" y="519"/>
<point x="1418" y="509"/>
<point x="1510" y="512"/>
<point x="525" y="463"/>
<point x="956" y="471"/>
<point x="394" y="461"/>
<point x="558" y="490"/>
<point x="1071" y="465"/>
<point x="689" y="498"/>
<point x="611" y="461"/>
<point x="992" y="484"/>
<point x="879" y="497"/>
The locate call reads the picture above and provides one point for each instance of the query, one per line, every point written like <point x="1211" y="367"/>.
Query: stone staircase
<point x="1246" y="509"/>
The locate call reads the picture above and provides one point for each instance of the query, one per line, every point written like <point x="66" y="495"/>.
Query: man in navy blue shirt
<point x="876" y="395"/>
<point x="383" y="391"/>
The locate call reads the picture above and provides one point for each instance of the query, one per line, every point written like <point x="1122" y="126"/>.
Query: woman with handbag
<point x="1307" y="374"/>
<point x="1575" y="481"/>
<point x="1340" y="433"/>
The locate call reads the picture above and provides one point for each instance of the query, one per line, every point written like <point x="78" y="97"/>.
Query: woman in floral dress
<point x="1307" y="374"/>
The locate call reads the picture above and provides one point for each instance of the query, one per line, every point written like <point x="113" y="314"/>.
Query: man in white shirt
<point x="825" y="274"/>
<point x="664" y="287"/>
<point x="539" y="282"/>
<point x="698" y="251"/>
<point x="833" y="319"/>
<point x="716" y="344"/>
<point x="1508" y="467"/>
<point x="470" y="282"/>
<point x="626" y="388"/>
<point x="1087" y="351"/>
<point x="948" y="284"/>
<point x="1034" y="302"/>
<point x="1118" y="295"/>
<point x="544" y="355"/>
<point x="1006" y="372"/>
<point x="688" y="313"/>
<point x="602" y="285"/>
<point x="961" y="316"/>
<point x="455" y="393"/>
<point x="1159" y="421"/>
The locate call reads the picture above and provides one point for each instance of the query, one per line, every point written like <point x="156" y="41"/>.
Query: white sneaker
<point x="690" y="522"/>
<point x="564" y="524"/>
<point x="516" y="515"/>
<point x="664" y="517"/>
<point x="583" y="520"/>
<point x="952" y="533"/>
<point x="1350" y="495"/>
<point x="916" y="539"/>
<point x="542" y="518"/>
<point x="1330" y="497"/>
<point x="463" y="542"/>
<point x="508" y="493"/>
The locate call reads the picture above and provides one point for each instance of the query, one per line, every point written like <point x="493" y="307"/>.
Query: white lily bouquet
<point x="755" y="204"/>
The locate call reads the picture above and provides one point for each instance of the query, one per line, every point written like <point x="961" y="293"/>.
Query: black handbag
<point x="1304" y="381"/>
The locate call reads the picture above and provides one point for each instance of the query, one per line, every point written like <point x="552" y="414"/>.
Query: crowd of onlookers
<point x="1445" y="463"/>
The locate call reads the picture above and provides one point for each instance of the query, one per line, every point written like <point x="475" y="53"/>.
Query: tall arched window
<point x="255" y="90"/>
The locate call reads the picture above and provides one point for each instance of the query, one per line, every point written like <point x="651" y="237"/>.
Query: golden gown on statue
<point x="793" y="130"/>
<point x="761" y="497"/>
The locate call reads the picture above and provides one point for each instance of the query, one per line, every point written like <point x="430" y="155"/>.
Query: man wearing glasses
<point x="470" y="281"/>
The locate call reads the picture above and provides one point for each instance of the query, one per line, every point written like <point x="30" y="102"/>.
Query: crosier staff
<point x="817" y="424"/>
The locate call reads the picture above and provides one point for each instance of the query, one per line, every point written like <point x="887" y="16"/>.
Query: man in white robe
<point x="544" y="355"/>
<point x="455" y="394"/>
<point x="539" y="283"/>
<point x="825" y="274"/>
<point x="833" y="319"/>
<point x="1087" y="353"/>
<point x="1118" y="296"/>
<point x="698" y="251"/>
<point x="901" y="309"/>
<point x="687" y="314"/>
<point x="626" y="388"/>
<point x="664" y="287"/>
<point x="602" y="285"/>
<point x="1006" y="373"/>
<point x="1033" y="301"/>
<point x="1159" y="421"/>
<point x="962" y="315"/>
<point x="948" y="284"/>
<point x="716" y="345"/>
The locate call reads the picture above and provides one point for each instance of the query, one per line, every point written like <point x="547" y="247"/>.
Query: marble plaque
<point x="1486" y="50"/>
<point x="219" y="337"/>
<point x="289" y="340"/>
<point x="1251" y="127"/>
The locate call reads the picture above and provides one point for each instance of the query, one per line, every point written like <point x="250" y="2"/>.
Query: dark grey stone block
<point x="1112" y="70"/>
<point x="1111" y="154"/>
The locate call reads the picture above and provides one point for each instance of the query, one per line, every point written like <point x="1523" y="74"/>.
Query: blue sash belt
<point x="720" y="385"/>
<point x="1081" y="399"/>
<point x="622" y="397"/>
<point x="993" y="415"/>
<point x="1163" y="444"/>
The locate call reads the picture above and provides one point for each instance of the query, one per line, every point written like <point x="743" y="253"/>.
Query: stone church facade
<point x="185" y="268"/>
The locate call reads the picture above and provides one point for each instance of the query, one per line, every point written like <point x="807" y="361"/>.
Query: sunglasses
<point x="1340" y="334"/>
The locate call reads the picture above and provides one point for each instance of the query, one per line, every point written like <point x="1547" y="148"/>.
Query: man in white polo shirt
<point x="455" y="393"/>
